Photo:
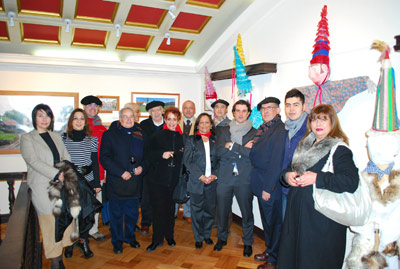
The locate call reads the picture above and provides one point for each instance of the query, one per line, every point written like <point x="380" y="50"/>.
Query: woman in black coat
<point x="309" y="239"/>
<point x="166" y="152"/>
<point x="200" y="160"/>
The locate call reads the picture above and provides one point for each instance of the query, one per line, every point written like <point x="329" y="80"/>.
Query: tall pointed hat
<point x="210" y="90"/>
<point x="385" y="117"/>
<point x="321" y="46"/>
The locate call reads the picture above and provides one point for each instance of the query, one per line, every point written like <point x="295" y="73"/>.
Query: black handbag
<point x="180" y="194"/>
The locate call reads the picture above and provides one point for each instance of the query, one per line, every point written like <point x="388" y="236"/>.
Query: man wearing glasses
<point x="266" y="157"/>
<point x="91" y="105"/>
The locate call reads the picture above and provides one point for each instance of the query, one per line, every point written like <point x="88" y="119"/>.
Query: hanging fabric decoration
<point x="210" y="93"/>
<point x="319" y="69"/>
<point x="243" y="82"/>
<point x="239" y="48"/>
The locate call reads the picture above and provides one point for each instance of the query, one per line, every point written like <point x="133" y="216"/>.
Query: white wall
<point x="88" y="80"/>
<point x="283" y="32"/>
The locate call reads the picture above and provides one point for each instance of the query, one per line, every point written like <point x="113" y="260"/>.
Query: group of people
<point x="279" y="163"/>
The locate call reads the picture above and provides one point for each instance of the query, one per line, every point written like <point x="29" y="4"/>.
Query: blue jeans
<point x="127" y="209"/>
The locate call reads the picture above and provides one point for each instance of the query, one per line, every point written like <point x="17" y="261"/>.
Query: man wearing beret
<point x="220" y="110"/>
<point x="149" y="127"/>
<point x="91" y="105"/>
<point x="266" y="158"/>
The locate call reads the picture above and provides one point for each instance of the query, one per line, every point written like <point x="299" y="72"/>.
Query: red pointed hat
<point x="321" y="47"/>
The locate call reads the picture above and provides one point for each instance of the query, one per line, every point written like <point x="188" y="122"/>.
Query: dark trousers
<point x="203" y="208"/>
<point x="123" y="212"/>
<point x="244" y="197"/>
<point x="163" y="212"/>
<point x="145" y="204"/>
<point x="271" y="217"/>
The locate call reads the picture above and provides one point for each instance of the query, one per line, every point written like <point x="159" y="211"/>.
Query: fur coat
<point x="386" y="214"/>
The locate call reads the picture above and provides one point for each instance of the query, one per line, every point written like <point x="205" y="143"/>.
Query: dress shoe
<point x="144" y="229"/>
<point x="171" y="242"/>
<point x="98" y="236"/>
<point x="134" y="244"/>
<point x="198" y="245"/>
<point x="117" y="250"/>
<point x="262" y="257"/>
<point x="247" y="250"/>
<point x="266" y="265"/>
<point x="208" y="241"/>
<point x="57" y="263"/>
<point x="153" y="247"/>
<point x="137" y="228"/>
<point x="188" y="219"/>
<point x="219" y="245"/>
<point x="83" y="244"/>
<point x="68" y="252"/>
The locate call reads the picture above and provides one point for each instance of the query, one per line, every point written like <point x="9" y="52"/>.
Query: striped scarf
<point x="265" y="126"/>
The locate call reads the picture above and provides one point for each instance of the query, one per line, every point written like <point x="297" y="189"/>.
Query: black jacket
<point x="115" y="157"/>
<point x="164" y="173"/>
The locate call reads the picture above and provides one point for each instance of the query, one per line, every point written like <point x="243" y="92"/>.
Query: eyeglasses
<point x="269" y="108"/>
<point x="92" y="105"/>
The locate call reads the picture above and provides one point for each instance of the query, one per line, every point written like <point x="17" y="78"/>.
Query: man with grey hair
<point x="121" y="154"/>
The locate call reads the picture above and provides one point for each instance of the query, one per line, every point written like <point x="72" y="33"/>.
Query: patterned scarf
<point x="265" y="126"/>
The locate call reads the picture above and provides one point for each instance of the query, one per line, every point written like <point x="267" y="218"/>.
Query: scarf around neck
<point x="206" y="134"/>
<point x="307" y="154"/>
<point x="293" y="126"/>
<point x="265" y="126"/>
<point x="239" y="130"/>
<point x="177" y="129"/>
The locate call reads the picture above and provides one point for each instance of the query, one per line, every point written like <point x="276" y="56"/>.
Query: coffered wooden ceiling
<point x="124" y="27"/>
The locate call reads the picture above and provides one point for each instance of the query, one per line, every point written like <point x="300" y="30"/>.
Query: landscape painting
<point x="143" y="98"/>
<point x="16" y="109"/>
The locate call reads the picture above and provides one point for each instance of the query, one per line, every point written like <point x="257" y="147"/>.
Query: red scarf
<point x="177" y="129"/>
<point x="206" y="134"/>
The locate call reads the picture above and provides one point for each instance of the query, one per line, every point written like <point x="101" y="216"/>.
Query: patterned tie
<point x="186" y="128"/>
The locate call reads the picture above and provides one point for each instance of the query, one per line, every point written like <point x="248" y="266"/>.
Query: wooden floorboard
<point x="183" y="255"/>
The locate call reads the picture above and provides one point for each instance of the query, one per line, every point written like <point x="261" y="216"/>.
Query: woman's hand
<point x="97" y="190"/>
<point x="307" y="179"/>
<point x="126" y="175"/>
<point x="291" y="178"/>
<point x="138" y="170"/>
<point x="211" y="178"/>
<point x="203" y="179"/>
<point x="61" y="177"/>
<point x="168" y="154"/>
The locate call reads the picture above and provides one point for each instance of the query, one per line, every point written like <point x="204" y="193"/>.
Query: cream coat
<point x="39" y="160"/>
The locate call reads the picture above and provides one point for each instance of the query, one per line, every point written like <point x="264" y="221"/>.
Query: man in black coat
<point x="121" y="155"/>
<point x="149" y="127"/>
<point x="266" y="157"/>
<point x="220" y="108"/>
<point x="233" y="148"/>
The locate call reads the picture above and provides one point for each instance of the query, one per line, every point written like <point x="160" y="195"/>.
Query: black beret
<point x="268" y="100"/>
<point x="154" y="104"/>
<point x="90" y="99"/>
<point x="221" y="101"/>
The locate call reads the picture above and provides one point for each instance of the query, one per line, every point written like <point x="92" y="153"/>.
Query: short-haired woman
<point x="41" y="150"/>
<point x="309" y="239"/>
<point x="166" y="152"/>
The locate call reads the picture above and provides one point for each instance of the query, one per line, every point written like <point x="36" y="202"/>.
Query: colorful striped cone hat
<point x="385" y="117"/>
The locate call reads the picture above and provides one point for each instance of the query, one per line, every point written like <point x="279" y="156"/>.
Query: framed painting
<point x="110" y="103"/>
<point x="16" y="109"/>
<point x="143" y="98"/>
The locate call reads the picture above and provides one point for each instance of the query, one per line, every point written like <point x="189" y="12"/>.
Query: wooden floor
<point x="183" y="255"/>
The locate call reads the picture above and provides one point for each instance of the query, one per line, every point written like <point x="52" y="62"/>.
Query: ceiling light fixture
<point x="117" y="28"/>
<point x="172" y="8"/>
<point x="168" y="37"/>
<point x="67" y="25"/>
<point x="11" y="15"/>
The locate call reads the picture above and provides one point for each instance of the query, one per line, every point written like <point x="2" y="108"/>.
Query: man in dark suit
<point x="149" y="127"/>
<point x="220" y="110"/>
<point x="266" y="157"/>
<point x="234" y="143"/>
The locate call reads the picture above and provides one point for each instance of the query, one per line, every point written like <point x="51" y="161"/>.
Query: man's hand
<point x="249" y="144"/>
<point x="168" y="154"/>
<point x="138" y="170"/>
<point x="126" y="175"/>
<point x="265" y="196"/>
<point x="228" y="145"/>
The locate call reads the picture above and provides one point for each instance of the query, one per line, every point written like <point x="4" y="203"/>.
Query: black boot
<point x="68" y="251"/>
<point x="57" y="263"/>
<point x="83" y="244"/>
